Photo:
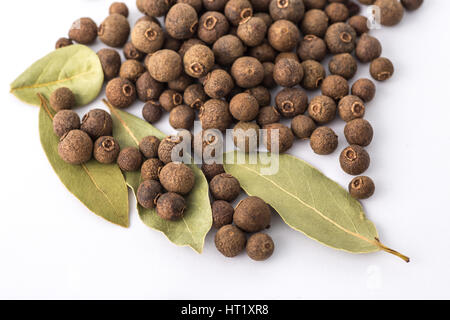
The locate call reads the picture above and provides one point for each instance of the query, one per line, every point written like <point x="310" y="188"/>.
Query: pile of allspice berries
<point x="220" y="59"/>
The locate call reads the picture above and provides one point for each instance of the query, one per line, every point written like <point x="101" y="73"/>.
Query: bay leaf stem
<point x="389" y="250"/>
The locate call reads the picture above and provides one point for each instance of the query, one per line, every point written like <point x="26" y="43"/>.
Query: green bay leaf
<point x="100" y="187"/>
<point x="193" y="228"/>
<point x="76" y="67"/>
<point x="311" y="203"/>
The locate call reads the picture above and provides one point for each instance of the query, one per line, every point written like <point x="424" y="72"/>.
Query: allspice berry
<point x="152" y="111"/>
<point x="177" y="178"/>
<point x="350" y="108"/>
<point x="244" y="107"/>
<point x="120" y="92"/>
<point x="212" y="26"/>
<point x="154" y="8"/>
<point x="218" y="84"/>
<point x="381" y="69"/>
<point x="148" y="88"/>
<point x="230" y="241"/>
<point x="359" y="131"/>
<point x="119" y="8"/>
<point x="181" y="83"/>
<point x="169" y="99"/>
<point x="315" y="22"/>
<point x="291" y="102"/>
<point x="368" y="48"/>
<point x="181" y="21"/>
<point x="130" y="159"/>
<point x="131" y="52"/>
<point x="167" y="146"/>
<point x="227" y="49"/>
<point x="187" y="44"/>
<point x="225" y="187"/>
<point x="263" y="52"/>
<point x="260" y="247"/>
<point x="194" y="96"/>
<point x="84" y="31"/>
<point x="212" y="170"/>
<point x="312" y="48"/>
<point x="340" y="38"/>
<point x="150" y="169"/>
<point x="170" y="206"/>
<point x="215" y="114"/>
<point x="261" y="94"/>
<point x="252" y="215"/>
<point x="337" y="12"/>
<point x="238" y="11"/>
<point x="246" y="136"/>
<point x="147" y="36"/>
<point x="361" y="188"/>
<point x="411" y="4"/>
<point x="359" y="23"/>
<point x="182" y="117"/>
<point x="324" y="141"/>
<point x="391" y="12"/>
<point x="114" y="30"/>
<point x="198" y="61"/>
<point x="283" y="35"/>
<point x="106" y="150"/>
<point x="303" y="126"/>
<point x="335" y="87"/>
<point x="65" y="121"/>
<point x="252" y="31"/>
<point x="292" y="10"/>
<point x="322" y="109"/>
<point x="149" y="146"/>
<point x="343" y="65"/>
<point x="97" y="123"/>
<point x="165" y="65"/>
<point x="148" y="193"/>
<point x="278" y="135"/>
<point x="62" y="98"/>
<point x="364" y="89"/>
<point x="222" y="213"/>
<point x="354" y="160"/>
<point x="260" y="6"/>
<point x="63" y="42"/>
<point x="315" y="4"/>
<point x="196" y="4"/>
<point x="110" y="61"/>
<point x="288" y="72"/>
<point x="247" y="72"/>
<point x="131" y="70"/>
<point x="75" y="147"/>
<point x="268" y="115"/>
<point x="314" y="74"/>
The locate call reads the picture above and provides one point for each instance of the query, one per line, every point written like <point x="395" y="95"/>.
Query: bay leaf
<point x="311" y="203"/>
<point x="193" y="228"/>
<point x="99" y="187"/>
<point x="76" y="67"/>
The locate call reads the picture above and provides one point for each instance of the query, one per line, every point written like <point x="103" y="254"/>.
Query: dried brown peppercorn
<point x="170" y="206"/>
<point x="364" y="89"/>
<point x="391" y="12"/>
<point x="359" y="131"/>
<point x="260" y="247"/>
<point x="148" y="193"/>
<point x="182" y="117"/>
<point x="215" y="114"/>
<point x="166" y="147"/>
<point x="335" y="87"/>
<point x="350" y="108"/>
<point x="263" y="15"/>
<point x="198" y="61"/>
<point x="343" y="65"/>
<point x="315" y="22"/>
<point x="119" y="8"/>
<point x="263" y="52"/>
<point x="218" y="84"/>
<point x="212" y="170"/>
<point x="278" y="135"/>
<point x="149" y="146"/>
<point x="225" y="187"/>
<point x="194" y="96"/>
<point x="75" y="147"/>
<point x="337" y="12"/>
<point x="110" y="60"/>
<point x="152" y="111"/>
<point x="181" y="83"/>
<point x="177" y="178"/>
<point x="340" y="38"/>
<point x="148" y="88"/>
<point x="227" y="49"/>
<point x="354" y="160"/>
<point x="244" y="107"/>
<point x="315" y="4"/>
<point x="148" y="18"/>
<point x="186" y="45"/>
<point x="261" y="94"/>
<point x="288" y="72"/>
<point x="97" y="123"/>
<point x="147" y="36"/>
<point x="252" y="31"/>
<point x="312" y="48"/>
<point x="268" y="115"/>
<point x="359" y="23"/>
<point x="381" y="69"/>
<point x="171" y="43"/>
<point x="368" y="48"/>
<point x="181" y="21"/>
<point x="62" y="98"/>
<point x="283" y="35"/>
<point x="324" y="141"/>
<point x="130" y="159"/>
<point x="412" y="4"/>
<point x="106" y="150"/>
<point x="165" y="65"/>
<point x="114" y="30"/>
<point x="65" y="121"/>
<point x="212" y="26"/>
<point x="214" y="5"/>
<point x="268" y="80"/>
<point x="237" y="11"/>
<point x="303" y="126"/>
<point x="353" y="8"/>
<point x="150" y="169"/>
<point x="246" y="136"/>
<point x="196" y="4"/>
<point x="291" y="102"/>
<point x="84" y="31"/>
<point x="131" y="70"/>
<point x="230" y="241"/>
<point x="247" y="72"/>
<point x="322" y="109"/>
<point x="63" y="42"/>
<point x="314" y="74"/>
<point x="155" y="8"/>
<point x="120" y="92"/>
<point x="286" y="55"/>
<point x="292" y="10"/>
<point x="361" y="188"/>
<point x="169" y="99"/>
<point x="252" y="215"/>
<point x="222" y="213"/>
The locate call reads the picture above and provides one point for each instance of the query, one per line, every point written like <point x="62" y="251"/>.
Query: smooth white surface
<point x="51" y="246"/>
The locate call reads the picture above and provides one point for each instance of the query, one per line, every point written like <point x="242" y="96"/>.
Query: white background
<point x="51" y="246"/>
